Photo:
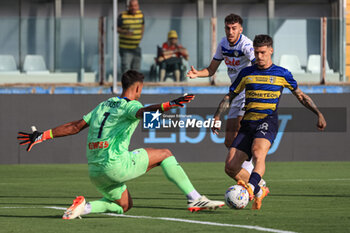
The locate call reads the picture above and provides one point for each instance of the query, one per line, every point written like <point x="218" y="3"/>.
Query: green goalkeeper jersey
<point x="111" y="125"/>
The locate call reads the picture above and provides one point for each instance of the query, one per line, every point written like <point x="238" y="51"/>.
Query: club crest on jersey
<point x="236" y="53"/>
<point x="272" y="79"/>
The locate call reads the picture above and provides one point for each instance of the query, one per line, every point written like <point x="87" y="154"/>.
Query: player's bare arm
<point x="151" y="108"/>
<point x="36" y="137"/>
<point x="223" y="107"/>
<point x="206" y="72"/>
<point x="70" y="128"/>
<point x="179" y="102"/>
<point x="308" y="103"/>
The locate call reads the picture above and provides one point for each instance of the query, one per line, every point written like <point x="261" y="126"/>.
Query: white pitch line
<point x="257" y="228"/>
<point x="204" y="223"/>
<point x="54" y="207"/>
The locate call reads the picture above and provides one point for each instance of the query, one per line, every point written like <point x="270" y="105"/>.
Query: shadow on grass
<point x="158" y="207"/>
<point x="308" y="195"/>
<point x="286" y="195"/>
<point x="27" y="216"/>
<point x="220" y="195"/>
<point x="166" y="197"/>
<point x="182" y="198"/>
<point x="35" y="204"/>
<point x="184" y="208"/>
<point x="68" y="197"/>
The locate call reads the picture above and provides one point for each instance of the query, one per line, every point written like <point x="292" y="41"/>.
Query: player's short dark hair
<point x="262" y="40"/>
<point x="233" y="18"/>
<point x="130" y="77"/>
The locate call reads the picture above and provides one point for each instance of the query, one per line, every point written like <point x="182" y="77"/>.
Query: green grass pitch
<point x="305" y="197"/>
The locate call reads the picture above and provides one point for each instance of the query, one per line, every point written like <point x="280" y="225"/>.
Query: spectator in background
<point x="131" y="26"/>
<point x="170" y="57"/>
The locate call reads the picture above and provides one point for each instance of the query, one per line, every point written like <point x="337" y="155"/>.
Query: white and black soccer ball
<point x="237" y="197"/>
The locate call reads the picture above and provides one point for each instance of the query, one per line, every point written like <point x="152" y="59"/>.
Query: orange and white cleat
<point x="249" y="189"/>
<point x="76" y="209"/>
<point x="203" y="203"/>
<point x="258" y="200"/>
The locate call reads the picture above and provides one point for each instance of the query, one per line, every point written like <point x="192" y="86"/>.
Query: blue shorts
<point x="265" y="128"/>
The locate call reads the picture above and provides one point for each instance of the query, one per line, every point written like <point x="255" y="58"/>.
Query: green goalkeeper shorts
<point x="128" y="166"/>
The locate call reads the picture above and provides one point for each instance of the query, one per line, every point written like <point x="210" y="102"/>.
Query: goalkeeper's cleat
<point x="76" y="209"/>
<point x="248" y="188"/>
<point x="258" y="200"/>
<point x="203" y="203"/>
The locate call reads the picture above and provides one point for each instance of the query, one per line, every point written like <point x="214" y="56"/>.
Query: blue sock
<point x="254" y="180"/>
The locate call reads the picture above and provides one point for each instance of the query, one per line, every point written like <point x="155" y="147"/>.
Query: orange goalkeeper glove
<point x="34" y="138"/>
<point x="177" y="102"/>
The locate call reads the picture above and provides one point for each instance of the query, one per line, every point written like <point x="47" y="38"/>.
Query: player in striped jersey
<point x="237" y="51"/>
<point x="263" y="83"/>
<point x="131" y="24"/>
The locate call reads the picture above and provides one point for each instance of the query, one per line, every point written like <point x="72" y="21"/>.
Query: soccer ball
<point x="237" y="197"/>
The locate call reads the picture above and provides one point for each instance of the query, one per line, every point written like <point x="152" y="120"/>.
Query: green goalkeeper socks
<point x="174" y="172"/>
<point x="104" y="205"/>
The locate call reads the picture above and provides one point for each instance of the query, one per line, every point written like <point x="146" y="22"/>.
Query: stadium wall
<point x="35" y="32"/>
<point x="296" y="141"/>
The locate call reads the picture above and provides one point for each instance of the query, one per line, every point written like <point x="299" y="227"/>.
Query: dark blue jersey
<point x="263" y="89"/>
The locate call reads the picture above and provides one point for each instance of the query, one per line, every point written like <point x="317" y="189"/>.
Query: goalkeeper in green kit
<point x="111" y="125"/>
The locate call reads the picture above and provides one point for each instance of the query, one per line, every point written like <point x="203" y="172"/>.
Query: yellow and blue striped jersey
<point x="134" y="24"/>
<point x="263" y="90"/>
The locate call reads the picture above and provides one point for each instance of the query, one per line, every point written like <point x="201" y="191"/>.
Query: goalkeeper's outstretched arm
<point x="36" y="137"/>
<point x="179" y="102"/>
<point x="70" y="128"/>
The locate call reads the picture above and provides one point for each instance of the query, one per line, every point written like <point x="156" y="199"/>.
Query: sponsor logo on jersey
<point x="261" y="95"/>
<point x="98" y="145"/>
<point x="261" y="79"/>
<point x="233" y="62"/>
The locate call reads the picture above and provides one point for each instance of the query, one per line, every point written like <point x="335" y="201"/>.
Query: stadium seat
<point x="34" y="64"/>
<point x="314" y="65"/>
<point x="291" y="63"/>
<point x="8" y="65"/>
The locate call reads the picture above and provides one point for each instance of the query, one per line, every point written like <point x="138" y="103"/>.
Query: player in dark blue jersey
<point x="263" y="83"/>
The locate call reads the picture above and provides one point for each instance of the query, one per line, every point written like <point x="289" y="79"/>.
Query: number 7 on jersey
<point x="106" y="114"/>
